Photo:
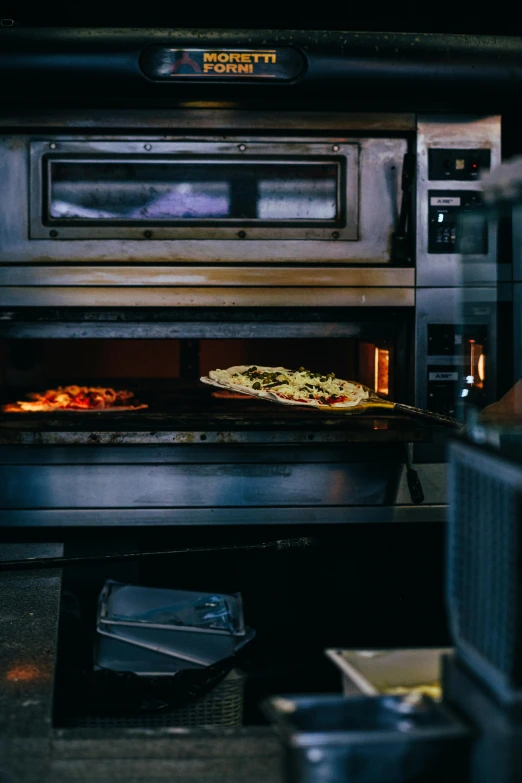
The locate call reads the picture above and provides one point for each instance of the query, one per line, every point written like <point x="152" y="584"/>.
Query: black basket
<point x="222" y="706"/>
<point x="484" y="589"/>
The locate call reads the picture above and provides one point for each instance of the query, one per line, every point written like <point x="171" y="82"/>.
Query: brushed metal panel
<point x="18" y="296"/>
<point x="259" y="276"/>
<point x="208" y="116"/>
<point x="192" y="330"/>
<point x="446" y="132"/>
<point x="332" y="515"/>
<point x="201" y="453"/>
<point x="385" y="433"/>
<point x="197" y="485"/>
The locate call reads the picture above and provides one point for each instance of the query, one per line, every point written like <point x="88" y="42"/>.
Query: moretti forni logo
<point x="237" y="62"/>
<point x="278" y="64"/>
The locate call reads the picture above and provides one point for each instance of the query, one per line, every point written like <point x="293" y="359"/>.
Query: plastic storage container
<point x="374" y="672"/>
<point x="333" y="739"/>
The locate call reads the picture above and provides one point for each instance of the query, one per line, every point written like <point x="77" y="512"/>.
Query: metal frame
<point x="305" y="515"/>
<point x="209" y="116"/>
<point x="345" y="226"/>
<point x="188" y="323"/>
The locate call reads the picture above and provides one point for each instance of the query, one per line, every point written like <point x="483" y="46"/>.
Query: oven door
<point x="233" y="199"/>
<point x="194" y="190"/>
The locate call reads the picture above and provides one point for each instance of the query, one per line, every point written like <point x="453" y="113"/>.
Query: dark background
<point x="462" y="16"/>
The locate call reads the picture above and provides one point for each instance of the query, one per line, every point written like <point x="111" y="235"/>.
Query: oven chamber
<point x="195" y="456"/>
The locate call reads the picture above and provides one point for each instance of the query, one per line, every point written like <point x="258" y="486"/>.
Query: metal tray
<point x="370" y="672"/>
<point x="368" y="740"/>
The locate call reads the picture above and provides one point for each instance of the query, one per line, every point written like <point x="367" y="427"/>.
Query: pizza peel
<point x="376" y="403"/>
<point x="373" y="404"/>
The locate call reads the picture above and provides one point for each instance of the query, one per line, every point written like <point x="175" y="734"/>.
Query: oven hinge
<point x="402" y="246"/>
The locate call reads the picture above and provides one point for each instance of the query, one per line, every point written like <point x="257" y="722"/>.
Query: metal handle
<point x="428" y="416"/>
<point x="401" y="249"/>
<point x="414" y="482"/>
<point x="60" y="562"/>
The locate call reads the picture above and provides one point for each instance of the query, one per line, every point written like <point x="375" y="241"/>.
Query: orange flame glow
<point x="382" y="371"/>
<point x="83" y="398"/>
<point x="24" y="672"/>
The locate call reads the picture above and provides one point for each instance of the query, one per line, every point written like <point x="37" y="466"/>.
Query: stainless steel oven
<point x="209" y="245"/>
<point x="176" y="201"/>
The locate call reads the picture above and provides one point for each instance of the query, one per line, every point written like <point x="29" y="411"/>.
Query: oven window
<point x="192" y="189"/>
<point x="201" y="191"/>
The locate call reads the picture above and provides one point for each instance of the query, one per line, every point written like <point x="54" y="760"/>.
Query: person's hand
<point x="508" y="407"/>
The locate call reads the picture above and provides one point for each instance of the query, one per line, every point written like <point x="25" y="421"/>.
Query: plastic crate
<point x="484" y="589"/>
<point x="223" y="706"/>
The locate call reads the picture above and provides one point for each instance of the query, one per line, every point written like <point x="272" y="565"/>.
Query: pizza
<point x="76" y="398"/>
<point x="292" y="387"/>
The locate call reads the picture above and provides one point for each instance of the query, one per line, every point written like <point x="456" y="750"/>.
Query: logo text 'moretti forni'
<point x="236" y="62"/>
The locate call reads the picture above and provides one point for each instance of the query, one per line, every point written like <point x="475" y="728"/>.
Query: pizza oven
<point x="143" y="249"/>
<point x="180" y="201"/>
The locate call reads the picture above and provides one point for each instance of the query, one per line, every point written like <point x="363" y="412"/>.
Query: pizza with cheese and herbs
<point x="293" y="387"/>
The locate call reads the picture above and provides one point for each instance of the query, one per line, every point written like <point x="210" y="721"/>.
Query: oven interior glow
<point x="382" y="369"/>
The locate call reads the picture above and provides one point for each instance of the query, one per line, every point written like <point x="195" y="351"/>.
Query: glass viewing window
<point x="199" y="190"/>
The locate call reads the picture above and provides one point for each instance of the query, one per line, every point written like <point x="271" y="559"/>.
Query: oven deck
<point x="193" y="459"/>
<point x="196" y="415"/>
<point x="155" y="428"/>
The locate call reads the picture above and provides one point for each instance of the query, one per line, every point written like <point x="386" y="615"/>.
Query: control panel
<point x="466" y="346"/>
<point x="455" y="240"/>
<point x="455" y="224"/>
<point x="460" y="165"/>
<point x="443" y="383"/>
<point x="443" y="340"/>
